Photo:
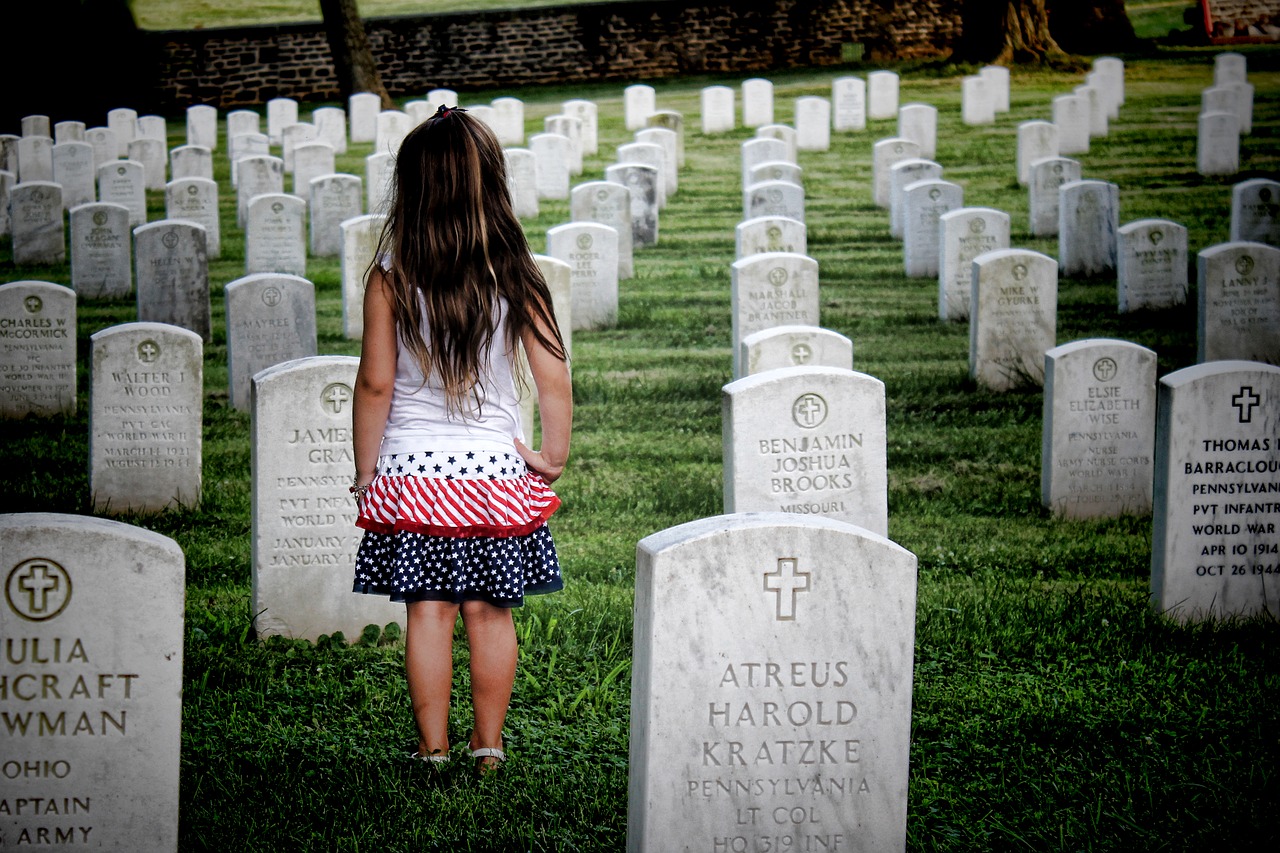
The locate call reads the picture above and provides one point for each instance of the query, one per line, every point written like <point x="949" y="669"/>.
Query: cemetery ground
<point x="1052" y="708"/>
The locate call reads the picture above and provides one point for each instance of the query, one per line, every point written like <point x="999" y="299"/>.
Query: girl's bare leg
<point x="491" y="634"/>
<point x="428" y="664"/>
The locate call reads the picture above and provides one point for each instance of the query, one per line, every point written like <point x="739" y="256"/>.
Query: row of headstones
<point x="772" y="685"/>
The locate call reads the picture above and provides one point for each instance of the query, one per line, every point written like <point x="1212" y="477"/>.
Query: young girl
<point x="453" y="502"/>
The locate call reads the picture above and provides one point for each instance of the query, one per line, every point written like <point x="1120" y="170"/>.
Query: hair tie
<point x="443" y="111"/>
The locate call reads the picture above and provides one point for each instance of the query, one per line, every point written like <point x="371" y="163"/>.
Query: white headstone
<point x="591" y="251"/>
<point x="1088" y="219"/>
<point x="884" y="154"/>
<point x="813" y="123"/>
<point x="248" y="145"/>
<point x="1218" y="144"/>
<point x="794" y="346"/>
<point x="1043" y="204"/>
<point x="849" y="103"/>
<point x="901" y="174"/>
<point x="380" y="173"/>
<point x="784" y="132"/>
<point x="271" y="318"/>
<point x="1238" y="293"/>
<point x="37" y="349"/>
<point x="196" y="199"/>
<point x="35" y="159"/>
<point x="1071" y="117"/>
<point x="363" y="109"/>
<point x="807" y="440"/>
<point x="93" y="629"/>
<point x="719" y="112"/>
<point x="241" y="122"/>
<point x="977" y="102"/>
<point x="641" y="182"/>
<point x="69" y="131"/>
<point x="522" y="181"/>
<point x="275" y="238"/>
<point x="553" y="160"/>
<point x="757" y="151"/>
<point x="589" y="114"/>
<point x="7" y="181"/>
<point x="773" y="198"/>
<point x="101" y="251"/>
<point x="281" y="112"/>
<point x="293" y="136"/>
<point x="882" y="94"/>
<point x="123" y="121"/>
<point x="260" y="174"/>
<point x="771" y="289"/>
<point x="171" y="268"/>
<point x="331" y="127"/>
<point x="649" y="154"/>
<point x="668" y="120"/>
<point x="146" y="410"/>
<point x="638" y="102"/>
<point x="359" y="245"/>
<point x="770" y="234"/>
<point x="996" y="78"/>
<point x="570" y="126"/>
<point x="1255" y="211"/>
<point x="508" y="120"/>
<point x="443" y="95"/>
<point x="1215" y="549"/>
<point x="202" y="126"/>
<point x="1013" y="309"/>
<point x="103" y="140"/>
<point x="334" y="199"/>
<point x="770" y="649"/>
<point x="310" y="161"/>
<point x="608" y="203"/>
<point x="775" y="170"/>
<point x="1098" y="430"/>
<point x="151" y="154"/>
<point x="923" y="205"/>
<point x="1037" y="140"/>
<point x="392" y="127"/>
<point x="757" y="102"/>
<point x="191" y="161"/>
<point x="1099" y="125"/>
<point x="965" y="234"/>
<point x="668" y="141"/>
<point x="304" y="533"/>
<point x="154" y="127"/>
<point x="1110" y="70"/>
<point x="73" y="168"/>
<point x="919" y="123"/>
<point x="559" y="278"/>
<point x="35" y="125"/>
<point x="1151" y="265"/>
<point x="37" y="222"/>
<point x="1244" y="105"/>
<point x="1230" y="67"/>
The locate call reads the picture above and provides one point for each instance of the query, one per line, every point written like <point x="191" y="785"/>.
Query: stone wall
<point x="619" y="41"/>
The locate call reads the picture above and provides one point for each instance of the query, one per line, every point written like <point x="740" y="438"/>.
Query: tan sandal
<point x="437" y="757"/>
<point x="488" y="759"/>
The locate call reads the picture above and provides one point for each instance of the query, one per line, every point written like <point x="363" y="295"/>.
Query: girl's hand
<point x="540" y="465"/>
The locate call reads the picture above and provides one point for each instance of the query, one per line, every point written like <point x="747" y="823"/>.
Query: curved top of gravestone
<point x="37" y="522"/>
<point x="1196" y="372"/>
<point x="1089" y="343"/>
<point x="721" y="525"/>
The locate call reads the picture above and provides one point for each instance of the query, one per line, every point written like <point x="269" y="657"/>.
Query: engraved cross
<point x="786" y="579"/>
<point x="1245" y="401"/>
<point x="336" y="396"/>
<point x="38" y="586"/>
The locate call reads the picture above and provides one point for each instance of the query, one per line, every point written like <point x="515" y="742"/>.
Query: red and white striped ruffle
<point x="458" y="507"/>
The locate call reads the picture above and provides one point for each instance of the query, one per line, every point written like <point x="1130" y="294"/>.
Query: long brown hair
<point x="451" y="235"/>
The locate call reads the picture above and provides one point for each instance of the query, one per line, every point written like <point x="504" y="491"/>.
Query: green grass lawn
<point x="1052" y="709"/>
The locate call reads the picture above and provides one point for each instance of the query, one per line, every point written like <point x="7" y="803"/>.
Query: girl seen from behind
<point x="452" y="500"/>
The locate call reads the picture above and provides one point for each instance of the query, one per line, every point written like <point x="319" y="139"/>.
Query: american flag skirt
<point x="457" y="526"/>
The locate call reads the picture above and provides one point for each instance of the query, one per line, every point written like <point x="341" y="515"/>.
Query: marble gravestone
<point x="260" y="174"/>
<point x="1043" y="204"/>
<point x="784" y="132"/>
<point x="808" y="440"/>
<point x="719" y="113"/>
<point x="311" y="160"/>
<point x="1013" y="314"/>
<point x="508" y="120"/>
<point x="770" y="234"/>
<point x="1037" y="140"/>
<point x="977" y="101"/>
<point x="172" y="275"/>
<point x="248" y="145"/>
<point x="813" y="123"/>
<point x="73" y="168"/>
<point x="773" y="198"/>
<point x="1088" y="219"/>
<point x="1218" y="144"/>
<point x="363" y="109"/>
<point x="333" y="199"/>
<point x="304" y="534"/>
<point x="154" y="159"/>
<point x="901" y="174"/>
<point x="1151" y="265"/>
<point x="275" y="236"/>
<point x="93" y="624"/>
<point x="37" y="349"/>
<point x="794" y="346"/>
<point x="522" y="181"/>
<point x="196" y="200"/>
<point x="771" y="687"/>
<point x="35" y="159"/>
<point x="123" y="122"/>
<point x="641" y="182"/>
<point x="1215" y="540"/>
<point x="608" y="203"/>
<point x="1098" y="429"/>
<point x="1255" y="211"/>
<point x="121" y="182"/>
<point x="848" y="104"/>
<point x="585" y="111"/>
<point x="923" y="205"/>
<point x="1071" y="118"/>
<point x="146" y="408"/>
<point x="271" y="318"/>
<point x="639" y="102"/>
<point x="884" y="155"/>
<point x="919" y="123"/>
<point x="771" y="289"/>
<point x="559" y="276"/>
<point x="202" y="126"/>
<point x="551" y="159"/>
<point x="191" y="161"/>
<point x="965" y="233"/>
<point x="39" y="234"/>
<point x="652" y="155"/>
<point x="775" y="170"/>
<point x="1238" y="300"/>
<point x="101" y="251"/>
<point x="882" y="94"/>
<point x="359" y="245"/>
<point x="591" y="250"/>
<point x="755" y="152"/>
<point x="757" y="102"/>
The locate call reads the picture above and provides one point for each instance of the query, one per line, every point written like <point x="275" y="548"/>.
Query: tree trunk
<point x="1097" y="26"/>
<point x="352" y="56"/>
<point x="1005" y="32"/>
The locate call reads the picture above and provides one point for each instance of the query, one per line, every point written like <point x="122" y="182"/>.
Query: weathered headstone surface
<point x="93" y="674"/>
<point x="196" y="200"/>
<point x="1088" y="219"/>
<point x="37" y="349"/>
<point x="359" y="245"/>
<point x="977" y="104"/>
<point x="794" y="346"/>
<point x="757" y="102"/>
<point x="1110" y="70"/>
<point x="1071" y="117"/>
<point x="379" y="176"/>
<point x="508" y="121"/>
<point x="923" y="204"/>
<point x="311" y="160"/>
<point x="1244" y="105"/>
<point x="392" y="127"/>
<point x="1037" y="140"/>
<point x="522" y="181"/>
<point x="281" y="113"/>
<point x="7" y="181"/>
<point x="591" y="250"/>
<point x="559" y="277"/>
<point x="1218" y="144"/>
<point x="771" y="289"/>
<point x="153" y="127"/>
<point x="241" y="122"/>
<point x="1151" y="265"/>
<point x="1215" y="541"/>
<point x="293" y="137"/>
<point x="1096" y="107"/>
<point x="773" y="198"/>
<point x="570" y="126"/>
<point x="363" y="109"/>
<point x="783" y="132"/>
<point x="275" y="237"/>
<point x="639" y="101"/>
<point x="813" y="123"/>
<point x="641" y="182"/>
<point x="69" y="131"/>
<point x="919" y="123"/>
<point x="103" y="140"/>
<point x="882" y="94"/>
<point x="442" y="95"/>
<point x="1047" y="176"/>
<point x="202" y="126"/>
<point x="271" y="318"/>
<point x="884" y="155"/>
<point x="331" y="127"/>
<point x="608" y="203"/>
<point x="1097" y="451"/>
<point x="1238" y="293"/>
<point x="551" y="158"/>
<point x="1255" y="211"/>
<point x="249" y="145"/>
<point x="1013" y="317"/>
<point x="648" y="154"/>
<point x="73" y="168"/>
<point x="152" y="155"/>
<point x="901" y="174"/>
<point x="757" y="151"/>
<point x="965" y="233"/>
<point x="171" y="268"/>
<point x="101" y="251"/>
<point x="38" y="226"/>
<point x="807" y="440"/>
<point x="191" y="161"/>
<point x="123" y="122"/>
<point x="35" y="159"/>
<point x="35" y="125"/>
<point x="586" y="112"/>
<point x="1230" y="66"/>
<point x="771" y="687"/>
<point x="260" y="174"/>
<point x="719" y="114"/>
<point x="334" y="198"/>
<point x="146" y="408"/>
<point x="304" y="533"/>
<point x="121" y="182"/>
<point x="770" y="234"/>
<point x="996" y="78"/>
<point x="848" y="103"/>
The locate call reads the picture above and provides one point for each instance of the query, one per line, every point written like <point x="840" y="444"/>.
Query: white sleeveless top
<point x="419" y="420"/>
